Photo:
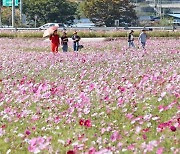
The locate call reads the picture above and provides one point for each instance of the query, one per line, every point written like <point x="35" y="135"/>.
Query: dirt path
<point x="86" y="39"/>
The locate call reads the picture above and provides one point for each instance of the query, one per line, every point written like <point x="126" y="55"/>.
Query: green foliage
<point x="62" y="11"/>
<point x="90" y="34"/>
<point x="107" y="11"/>
<point x="166" y="22"/>
<point x="7" y="16"/>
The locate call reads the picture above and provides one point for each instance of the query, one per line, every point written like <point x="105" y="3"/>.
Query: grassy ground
<point x="106" y="98"/>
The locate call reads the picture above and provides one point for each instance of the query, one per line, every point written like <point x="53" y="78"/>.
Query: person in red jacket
<point x="54" y="41"/>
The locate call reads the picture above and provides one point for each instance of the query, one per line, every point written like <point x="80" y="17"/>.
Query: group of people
<point x="142" y="39"/>
<point x="55" y="41"/>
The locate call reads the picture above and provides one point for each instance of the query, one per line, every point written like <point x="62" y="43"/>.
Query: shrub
<point x="90" y="34"/>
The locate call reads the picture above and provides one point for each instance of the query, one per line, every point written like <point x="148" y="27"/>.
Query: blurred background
<point x="89" y="13"/>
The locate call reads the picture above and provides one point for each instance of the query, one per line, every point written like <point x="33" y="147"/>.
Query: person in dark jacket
<point x="76" y="40"/>
<point x="131" y="39"/>
<point x="64" y="42"/>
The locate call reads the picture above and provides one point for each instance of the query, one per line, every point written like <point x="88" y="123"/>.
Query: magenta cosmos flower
<point x="173" y="128"/>
<point x="87" y="123"/>
<point x="81" y="122"/>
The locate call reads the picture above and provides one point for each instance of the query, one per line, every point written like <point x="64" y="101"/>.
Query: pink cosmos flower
<point x="120" y="102"/>
<point x="85" y="99"/>
<point x="35" y="117"/>
<point x="146" y="130"/>
<point x="129" y="116"/>
<point x="178" y="120"/>
<point x="119" y="145"/>
<point x="138" y="129"/>
<point x="1" y="96"/>
<point x="53" y="90"/>
<point x="160" y="150"/>
<point x="144" y="136"/>
<point x="68" y="142"/>
<point x="115" y="136"/>
<point x="161" y="107"/>
<point x="38" y="144"/>
<point x="149" y="147"/>
<point x="131" y="147"/>
<point x="92" y="150"/>
<point x="104" y="151"/>
<point x="2" y="132"/>
<point x="3" y="126"/>
<point x="108" y="111"/>
<point x="106" y="98"/>
<point x="7" y="110"/>
<point x="161" y="126"/>
<point x="35" y="89"/>
<point x="91" y="86"/>
<point x="121" y="89"/>
<point x="57" y="119"/>
<point x="103" y="130"/>
<point x="33" y="128"/>
<point x="80" y="137"/>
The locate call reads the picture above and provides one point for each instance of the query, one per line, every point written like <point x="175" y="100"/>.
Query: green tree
<point x="107" y="11"/>
<point x="0" y="13"/>
<point x="62" y="11"/>
<point x="7" y="16"/>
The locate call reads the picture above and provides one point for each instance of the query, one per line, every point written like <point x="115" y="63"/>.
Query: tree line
<point x="100" y="12"/>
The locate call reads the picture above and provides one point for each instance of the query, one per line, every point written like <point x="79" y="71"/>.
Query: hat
<point x="132" y="31"/>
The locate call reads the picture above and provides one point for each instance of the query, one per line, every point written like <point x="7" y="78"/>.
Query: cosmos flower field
<point x="103" y="100"/>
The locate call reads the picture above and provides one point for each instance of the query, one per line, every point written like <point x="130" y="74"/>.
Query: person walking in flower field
<point x="64" y="42"/>
<point x="131" y="39"/>
<point x="143" y="38"/>
<point x="54" y="42"/>
<point x="76" y="38"/>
